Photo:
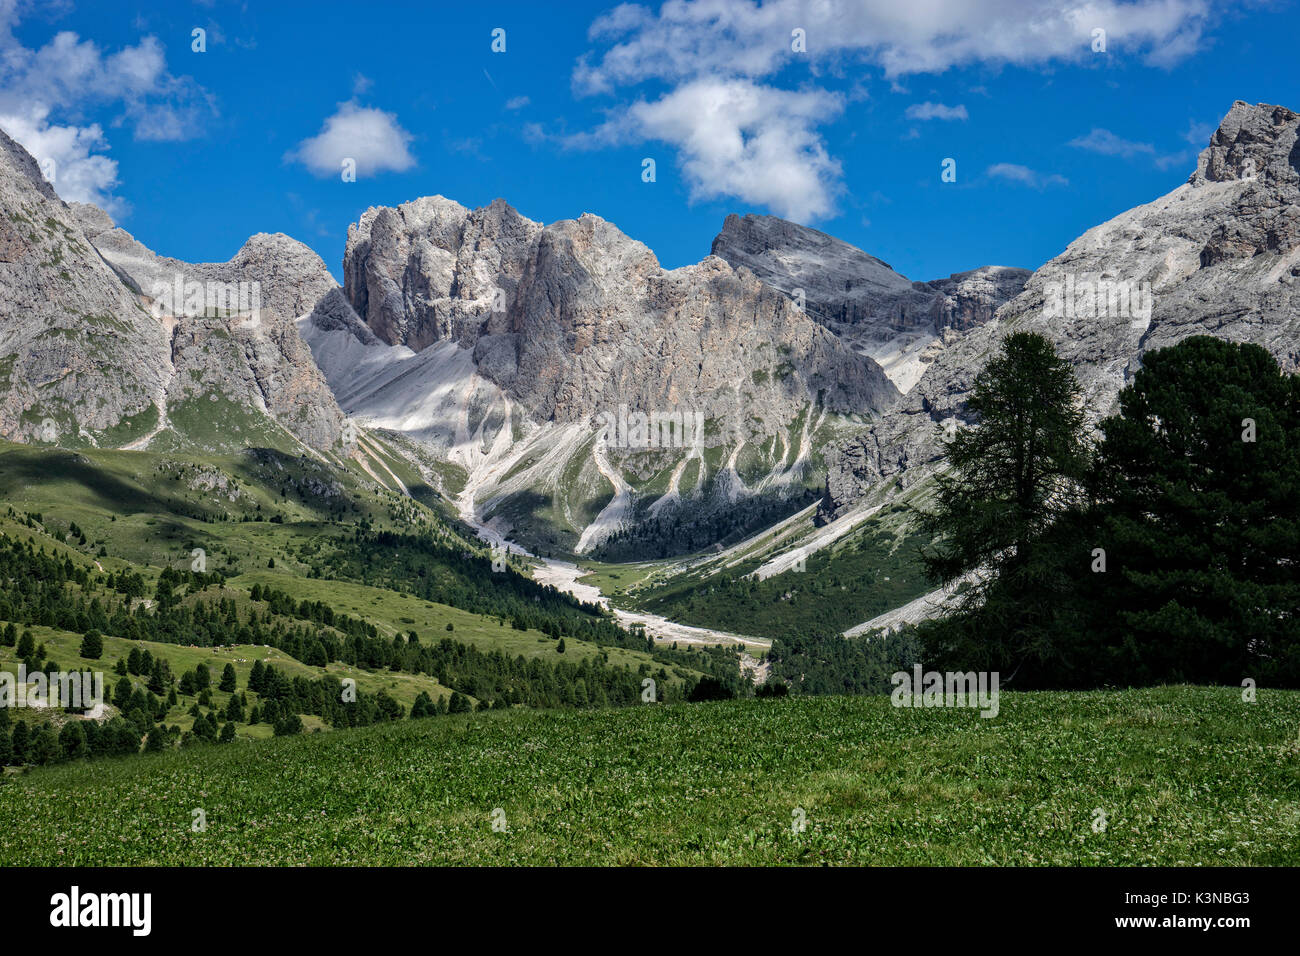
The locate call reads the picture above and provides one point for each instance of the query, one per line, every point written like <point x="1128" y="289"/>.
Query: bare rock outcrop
<point x="901" y="324"/>
<point x="239" y="342"/>
<point x="574" y="317"/>
<point x="81" y="359"/>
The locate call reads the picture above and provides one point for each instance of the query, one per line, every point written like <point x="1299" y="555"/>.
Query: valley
<point x="393" y="554"/>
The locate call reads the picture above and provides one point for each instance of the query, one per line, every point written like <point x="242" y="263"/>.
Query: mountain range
<point x="564" y="391"/>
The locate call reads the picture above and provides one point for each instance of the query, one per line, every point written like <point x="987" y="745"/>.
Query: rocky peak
<point x="80" y="360"/>
<point x="566" y="317"/>
<point x="293" y="277"/>
<point x="429" y="270"/>
<point x="17" y="162"/>
<point x="899" y="323"/>
<point x="1252" y="141"/>
<point x="841" y="283"/>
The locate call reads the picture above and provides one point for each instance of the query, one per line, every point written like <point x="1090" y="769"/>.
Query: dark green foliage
<point x="1200" y="526"/>
<point x="834" y="664"/>
<point x="92" y="645"/>
<point x="288" y="725"/>
<point x="1182" y="565"/>
<point x="1016" y="471"/>
<point x="710" y="688"/>
<point x="423" y="706"/>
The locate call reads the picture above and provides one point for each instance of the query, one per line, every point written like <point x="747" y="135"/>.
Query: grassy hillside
<point x="1184" y="775"/>
<point x="265" y="557"/>
<point x="874" y="568"/>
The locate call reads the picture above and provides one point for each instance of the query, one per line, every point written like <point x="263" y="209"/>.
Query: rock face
<point x="239" y="344"/>
<point x="576" y="316"/>
<point x="537" y="330"/>
<point x="901" y="324"/>
<point x="102" y="343"/>
<point x="1220" y="255"/>
<point x="80" y="358"/>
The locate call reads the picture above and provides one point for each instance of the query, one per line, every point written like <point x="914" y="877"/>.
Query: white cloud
<point x="706" y="50"/>
<point x="1108" y="144"/>
<point x="517" y="102"/>
<point x="1016" y="173"/>
<point x="736" y="138"/>
<point x="691" y="38"/>
<point x="71" y="73"/>
<point x="929" y="111"/>
<point x="371" y="137"/>
<point x="68" y="157"/>
<point x="42" y="88"/>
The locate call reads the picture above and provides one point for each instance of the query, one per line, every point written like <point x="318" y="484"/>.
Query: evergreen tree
<point x="234" y="709"/>
<point x="1016" y="470"/>
<point x="44" y="746"/>
<point x="18" y="743"/>
<point x="72" y="741"/>
<point x="228" y="679"/>
<point x="92" y="645"/>
<point x="288" y="725"/>
<point x="1200" y="519"/>
<point x="122" y="693"/>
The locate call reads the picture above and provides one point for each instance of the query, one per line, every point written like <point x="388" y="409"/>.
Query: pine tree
<point x="228" y="679"/>
<point x="122" y="693"/>
<point x="92" y="645"/>
<point x="18" y="743"/>
<point x="1200" y="489"/>
<point x="257" y="677"/>
<point x="72" y="741"/>
<point x="1014" y="472"/>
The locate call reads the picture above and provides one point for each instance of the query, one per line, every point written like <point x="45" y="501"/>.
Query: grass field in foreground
<point x="1184" y="775"/>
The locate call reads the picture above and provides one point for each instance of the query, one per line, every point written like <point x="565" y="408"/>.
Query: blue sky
<point x="194" y="151"/>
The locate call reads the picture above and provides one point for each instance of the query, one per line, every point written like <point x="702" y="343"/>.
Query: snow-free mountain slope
<point x="899" y="323"/>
